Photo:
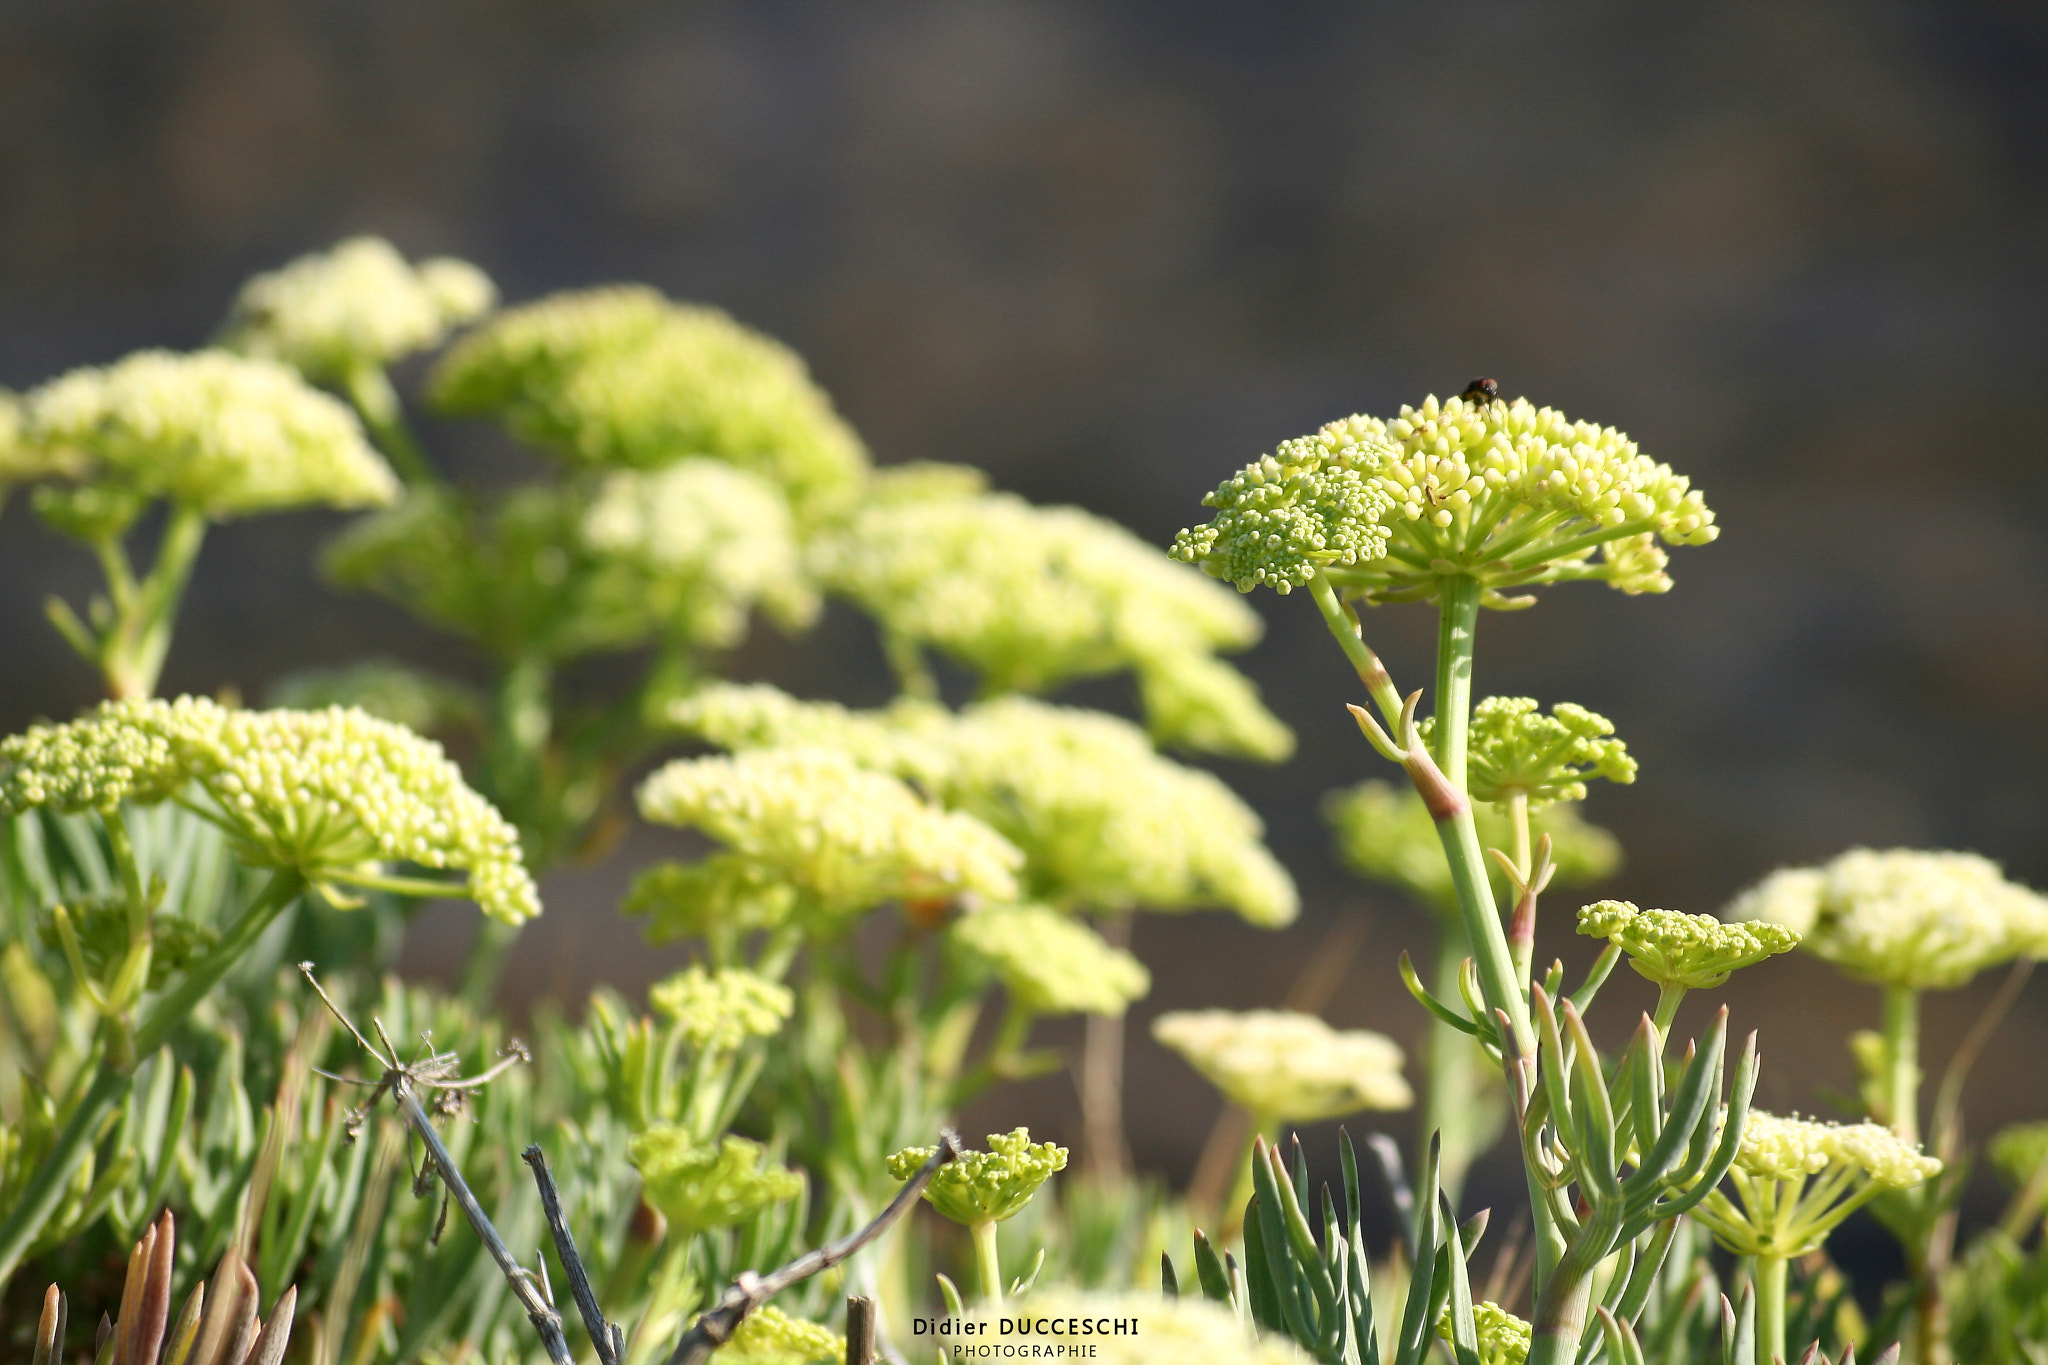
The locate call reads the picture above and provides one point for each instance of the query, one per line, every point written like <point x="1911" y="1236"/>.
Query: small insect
<point x="1481" y="390"/>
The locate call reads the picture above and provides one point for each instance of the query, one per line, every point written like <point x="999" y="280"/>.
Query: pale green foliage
<point x="358" y="304"/>
<point x="1102" y="819"/>
<point x="1049" y="962"/>
<point x="623" y="378"/>
<point x="1385" y="834"/>
<point x="224" y="433"/>
<point x="985" y="1187"/>
<point x="1031" y="597"/>
<point x="2018" y="1151"/>
<point x="719" y="1010"/>
<point x="1315" y="503"/>
<point x="329" y="793"/>
<point x="1925" y="921"/>
<point x="724" y="894"/>
<point x="1509" y="493"/>
<point x="1691" y="952"/>
<point x="404" y="696"/>
<point x="690" y="548"/>
<point x="1516" y="750"/>
<point x="769" y="1336"/>
<point x="699" y="1186"/>
<point x="1503" y="1337"/>
<point x="1280" y="1064"/>
<point x="847" y="838"/>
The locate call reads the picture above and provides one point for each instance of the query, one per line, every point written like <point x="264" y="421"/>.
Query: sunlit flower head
<point x="1049" y="962"/>
<point x="985" y="1187"/>
<point x="1503" y="1338"/>
<point x="1672" y="948"/>
<point x="769" y="1336"/>
<point x="719" y="1010"/>
<point x="698" y="1186"/>
<point x="1516" y="750"/>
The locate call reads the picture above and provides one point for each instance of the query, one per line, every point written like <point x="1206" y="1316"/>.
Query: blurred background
<point x="1112" y="251"/>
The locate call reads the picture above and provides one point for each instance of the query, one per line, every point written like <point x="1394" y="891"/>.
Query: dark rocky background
<point x="1111" y="251"/>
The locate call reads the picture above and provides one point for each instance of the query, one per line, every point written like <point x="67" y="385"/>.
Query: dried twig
<point x="608" y="1337"/>
<point x="749" y="1291"/>
<point x="860" y="1330"/>
<point x="404" y="1082"/>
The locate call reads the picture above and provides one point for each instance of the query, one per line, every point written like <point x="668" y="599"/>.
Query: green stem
<point x="1457" y="623"/>
<point x="1770" y="1307"/>
<point x="1668" y="998"/>
<point x="1902" y="1060"/>
<point x="133" y="649"/>
<point x="1344" y="627"/>
<point x="986" y="1264"/>
<point x="45" y="1189"/>
<point x="369" y="388"/>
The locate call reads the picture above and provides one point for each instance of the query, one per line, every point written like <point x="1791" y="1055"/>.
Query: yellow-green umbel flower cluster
<point x="1282" y="1065"/>
<point x="1921" y="921"/>
<point x="845" y="837"/>
<point x="1102" y="818"/>
<point x="623" y="378"/>
<point x="223" y="433"/>
<point x="1503" y="1337"/>
<point x="358" y="304"/>
<point x="1797" y="1179"/>
<point x="1385" y="834"/>
<point x="1508" y="493"/>
<point x="698" y="1186"/>
<point x="685" y="551"/>
<point x="1516" y="750"/>
<point x="1030" y="597"/>
<point x="719" y="1010"/>
<point x="331" y="794"/>
<point x="1675" y="949"/>
<point x="769" y="1336"/>
<point x="985" y="1187"/>
<point x="1049" y="962"/>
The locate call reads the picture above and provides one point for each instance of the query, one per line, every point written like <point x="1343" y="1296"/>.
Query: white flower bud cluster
<point x="358" y="304"/>
<point x="694" y="546"/>
<point x="1102" y="818"/>
<point x="1920" y="920"/>
<point x="1049" y="962"/>
<point x="722" y="1009"/>
<point x="623" y="378"/>
<point x="846" y="837"/>
<point x="1282" y="1065"/>
<point x="224" y="433"/>
<point x="328" y="793"/>
<point x="1031" y="597"/>
<point x="1776" y="1148"/>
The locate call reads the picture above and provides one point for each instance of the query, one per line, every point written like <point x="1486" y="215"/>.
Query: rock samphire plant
<point x="214" y="1098"/>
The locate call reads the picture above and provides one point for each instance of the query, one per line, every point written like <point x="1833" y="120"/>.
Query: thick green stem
<point x="369" y="388"/>
<point x="1561" y="1320"/>
<point x="1668" y="998"/>
<point x="1902" y="1060"/>
<point x="985" y="1263"/>
<point x="45" y="1189"/>
<point x="1770" y="1308"/>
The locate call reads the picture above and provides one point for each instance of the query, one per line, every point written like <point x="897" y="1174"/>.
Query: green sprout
<point x="981" y="1189"/>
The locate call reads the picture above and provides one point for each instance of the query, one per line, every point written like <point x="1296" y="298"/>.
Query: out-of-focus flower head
<point x="686" y="550"/>
<point x="1692" y="952"/>
<point x="698" y="1186"/>
<point x="330" y="793"/>
<point x="1102" y="818"/>
<point x="723" y="895"/>
<point x="1516" y="750"/>
<point x="1506" y="492"/>
<point x="719" y="1010"/>
<point x="1923" y="921"/>
<point x="1171" y="1331"/>
<point x="1385" y="834"/>
<point x="358" y="304"/>
<point x="1282" y="1065"/>
<point x="1031" y="597"/>
<point x="1503" y="1338"/>
<point x="846" y="837"/>
<point x="622" y="378"/>
<point x="1050" y="962"/>
<point x="769" y="1336"/>
<point x="985" y="1187"/>
<point x="224" y="433"/>
<point x="1778" y="1148"/>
